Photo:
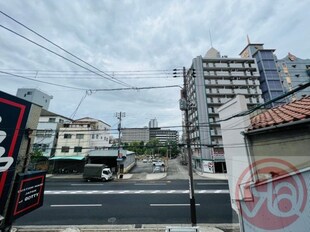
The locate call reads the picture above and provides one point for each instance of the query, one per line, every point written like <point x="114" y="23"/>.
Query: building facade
<point x="35" y="96"/>
<point x="164" y="136"/>
<point x="211" y="81"/>
<point x="270" y="82"/>
<point x="81" y="136"/>
<point x="45" y="136"/>
<point x="293" y="72"/>
<point x="130" y="135"/>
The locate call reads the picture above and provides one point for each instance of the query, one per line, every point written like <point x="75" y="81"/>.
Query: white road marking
<point x="212" y="183"/>
<point x="87" y="184"/>
<point x="170" y="205"/>
<point x="103" y="192"/>
<point x="80" y="205"/>
<point x="140" y="184"/>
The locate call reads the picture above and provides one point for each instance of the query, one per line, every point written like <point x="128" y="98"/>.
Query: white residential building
<point x="82" y="136"/>
<point x="213" y="80"/>
<point x="45" y="136"/>
<point x="35" y="96"/>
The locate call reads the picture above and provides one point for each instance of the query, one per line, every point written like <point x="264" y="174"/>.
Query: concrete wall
<point x="235" y="151"/>
<point x="290" y="143"/>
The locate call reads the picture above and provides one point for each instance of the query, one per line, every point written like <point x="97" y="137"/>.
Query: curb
<point x="127" y="228"/>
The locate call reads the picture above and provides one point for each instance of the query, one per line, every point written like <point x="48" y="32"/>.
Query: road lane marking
<point x="87" y="184"/>
<point x="159" y="184"/>
<point x="170" y="205"/>
<point x="212" y="183"/>
<point x="103" y="192"/>
<point x="80" y="205"/>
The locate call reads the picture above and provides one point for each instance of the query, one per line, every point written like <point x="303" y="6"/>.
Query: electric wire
<point x="55" y="53"/>
<point x="23" y="25"/>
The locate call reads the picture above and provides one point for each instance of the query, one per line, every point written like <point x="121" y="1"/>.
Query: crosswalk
<point x="103" y="192"/>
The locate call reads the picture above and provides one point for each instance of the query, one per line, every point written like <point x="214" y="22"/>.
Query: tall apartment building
<point x="293" y="72"/>
<point x="270" y="82"/>
<point x="35" y="96"/>
<point x="217" y="80"/>
<point x="153" y="123"/>
<point x="81" y="136"/>
<point x="135" y="135"/>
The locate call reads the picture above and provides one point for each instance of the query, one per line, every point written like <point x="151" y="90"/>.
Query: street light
<point x="184" y="106"/>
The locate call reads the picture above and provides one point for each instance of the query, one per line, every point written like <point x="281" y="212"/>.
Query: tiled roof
<point x="294" y="111"/>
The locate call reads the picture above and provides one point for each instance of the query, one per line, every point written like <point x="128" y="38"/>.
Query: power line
<point x="55" y="53"/>
<point x="44" y="82"/>
<point x="41" y="36"/>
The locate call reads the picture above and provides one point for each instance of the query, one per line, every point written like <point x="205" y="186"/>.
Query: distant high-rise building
<point x="164" y="136"/>
<point x="270" y="82"/>
<point x="153" y="123"/>
<point x="35" y="96"/>
<point x="216" y="80"/>
<point x="130" y="135"/>
<point x="293" y="72"/>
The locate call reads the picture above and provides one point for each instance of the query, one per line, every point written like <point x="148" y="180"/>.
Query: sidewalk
<point x="217" y="176"/>
<point x="129" y="228"/>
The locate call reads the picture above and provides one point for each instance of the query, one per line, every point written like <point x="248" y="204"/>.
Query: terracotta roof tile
<point x="294" y="111"/>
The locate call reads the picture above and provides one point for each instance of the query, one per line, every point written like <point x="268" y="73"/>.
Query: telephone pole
<point x="119" y="116"/>
<point x="184" y="104"/>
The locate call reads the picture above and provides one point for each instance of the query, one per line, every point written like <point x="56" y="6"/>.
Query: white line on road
<point x="212" y="183"/>
<point x="84" y="192"/>
<point x="87" y="184"/>
<point x="150" y="184"/>
<point x="170" y="205"/>
<point x="85" y="205"/>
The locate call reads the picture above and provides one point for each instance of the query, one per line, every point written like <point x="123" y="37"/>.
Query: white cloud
<point x="140" y="35"/>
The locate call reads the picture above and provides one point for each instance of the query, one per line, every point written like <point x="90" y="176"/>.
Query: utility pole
<point x="184" y="104"/>
<point x="119" y="116"/>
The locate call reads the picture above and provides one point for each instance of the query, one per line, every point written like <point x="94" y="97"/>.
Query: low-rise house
<point x="269" y="165"/>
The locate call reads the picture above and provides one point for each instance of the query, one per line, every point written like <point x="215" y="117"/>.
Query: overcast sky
<point x="128" y="39"/>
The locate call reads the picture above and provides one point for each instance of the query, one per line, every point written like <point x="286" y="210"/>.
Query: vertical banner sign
<point x="27" y="194"/>
<point x="13" y="117"/>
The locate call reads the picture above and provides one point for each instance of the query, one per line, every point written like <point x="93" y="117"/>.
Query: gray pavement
<point x="130" y="228"/>
<point x="174" y="171"/>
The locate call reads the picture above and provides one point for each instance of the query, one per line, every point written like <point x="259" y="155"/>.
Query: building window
<point x="29" y="93"/>
<point x="77" y="149"/>
<point x="65" y="149"/>
<point x="80" y="136"/>
<point x="67" y="136"/>
<point x="52" y="120"/>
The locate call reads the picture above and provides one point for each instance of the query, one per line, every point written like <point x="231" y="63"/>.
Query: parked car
<point x="144" y="160"/>
<point x="158" y="163"/>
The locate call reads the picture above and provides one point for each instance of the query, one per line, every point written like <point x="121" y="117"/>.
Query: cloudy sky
<point x="138" y="43"/>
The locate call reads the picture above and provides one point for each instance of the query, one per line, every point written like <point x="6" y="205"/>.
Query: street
<point x="135" y="201"/>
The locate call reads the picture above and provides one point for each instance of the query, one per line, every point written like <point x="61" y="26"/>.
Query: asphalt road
<point x="131" y="202"/>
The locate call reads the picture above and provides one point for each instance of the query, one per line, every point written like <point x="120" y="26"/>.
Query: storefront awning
<point x="67" y="158"/>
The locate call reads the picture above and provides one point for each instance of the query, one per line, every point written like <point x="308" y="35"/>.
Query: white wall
<point x="233" y="141"/>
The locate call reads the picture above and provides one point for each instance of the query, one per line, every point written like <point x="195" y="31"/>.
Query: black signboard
<point x="27" y="194"/>
<point x="13" y="117"/>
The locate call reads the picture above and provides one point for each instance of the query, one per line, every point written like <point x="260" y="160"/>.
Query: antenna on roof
<point x="248" y="39"/>
<point x="210" y="38"/>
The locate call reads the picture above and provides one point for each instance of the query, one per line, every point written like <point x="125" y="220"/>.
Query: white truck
<point x="97" y="172"/>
